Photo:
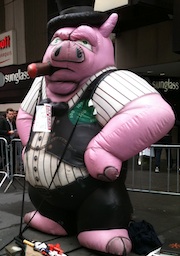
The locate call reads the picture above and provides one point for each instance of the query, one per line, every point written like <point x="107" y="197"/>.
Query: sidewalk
<point x="162" y="211"/>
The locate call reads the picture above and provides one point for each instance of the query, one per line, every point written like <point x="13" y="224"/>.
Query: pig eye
<point x="86" y="44"/>
<point x="55" y="41"/>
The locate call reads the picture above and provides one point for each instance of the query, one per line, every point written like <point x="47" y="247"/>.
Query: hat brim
<point x="76" y="19"/>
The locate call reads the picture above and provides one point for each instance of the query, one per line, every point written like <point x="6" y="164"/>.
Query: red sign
<point x="5" y="43"/>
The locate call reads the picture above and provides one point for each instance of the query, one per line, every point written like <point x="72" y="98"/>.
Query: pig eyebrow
<point x="84" y="33"/>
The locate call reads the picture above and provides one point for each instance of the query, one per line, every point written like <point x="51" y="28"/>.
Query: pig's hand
<point x="110" y="174"/>
<point x="102" y="165"/>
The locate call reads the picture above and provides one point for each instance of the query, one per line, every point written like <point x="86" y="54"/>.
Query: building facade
<point x="146" y="41"/>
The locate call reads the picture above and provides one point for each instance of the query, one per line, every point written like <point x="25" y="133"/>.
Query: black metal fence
<point x="11" y="164"/>
<point x="143" y="176"/>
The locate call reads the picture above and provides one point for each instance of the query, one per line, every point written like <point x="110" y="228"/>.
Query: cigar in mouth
<point x="40" y="69"/>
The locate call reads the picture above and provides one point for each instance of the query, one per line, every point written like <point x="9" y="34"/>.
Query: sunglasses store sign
<point x="7" y="48"/>
<point x="166" y="85"/>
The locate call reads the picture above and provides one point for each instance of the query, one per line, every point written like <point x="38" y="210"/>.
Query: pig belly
<point x="40" y="167"/>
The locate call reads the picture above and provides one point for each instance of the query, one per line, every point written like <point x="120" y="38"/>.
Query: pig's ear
<point x="108" y="26"/>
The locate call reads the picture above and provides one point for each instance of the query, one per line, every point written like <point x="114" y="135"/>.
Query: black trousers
<point x="86" y="204"/>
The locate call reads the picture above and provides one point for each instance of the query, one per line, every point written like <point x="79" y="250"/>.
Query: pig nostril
<point x="79" y="53"/>
<point x="57" y="52"/>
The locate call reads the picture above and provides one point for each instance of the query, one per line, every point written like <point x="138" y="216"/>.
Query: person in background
<point x="7" y="130"/>
<point x="166" y="140"/>
<point x="8" y="125"/>
<point x="15" y="115"/>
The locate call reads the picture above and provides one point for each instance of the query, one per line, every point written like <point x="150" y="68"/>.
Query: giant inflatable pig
<point x="98" y="117"/>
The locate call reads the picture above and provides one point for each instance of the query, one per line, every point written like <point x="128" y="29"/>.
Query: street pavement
<point x="162" y="211"/>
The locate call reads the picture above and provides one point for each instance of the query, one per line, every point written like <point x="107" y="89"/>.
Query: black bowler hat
<point x="73" y="13"/>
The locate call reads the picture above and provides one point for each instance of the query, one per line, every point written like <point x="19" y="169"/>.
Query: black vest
<point x="72" y="131"/>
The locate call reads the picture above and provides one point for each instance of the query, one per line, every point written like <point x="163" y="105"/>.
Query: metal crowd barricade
<point x="12" y="164"/>
<point x="142" y="177"/>
<point x="5" y="172"/>
<point x="16" y="163"/>
<point x="16" y="157"/>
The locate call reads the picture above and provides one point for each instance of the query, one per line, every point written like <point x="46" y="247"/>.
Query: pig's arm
<point x="27" y="109"/>
<point x="23" y="123"/>
<point x="139" y="124"/>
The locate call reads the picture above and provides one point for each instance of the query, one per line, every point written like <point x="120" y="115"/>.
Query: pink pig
<point x="79" y="186"/>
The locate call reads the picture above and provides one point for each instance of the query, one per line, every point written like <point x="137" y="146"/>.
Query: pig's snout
<point x="68" y="52"/>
